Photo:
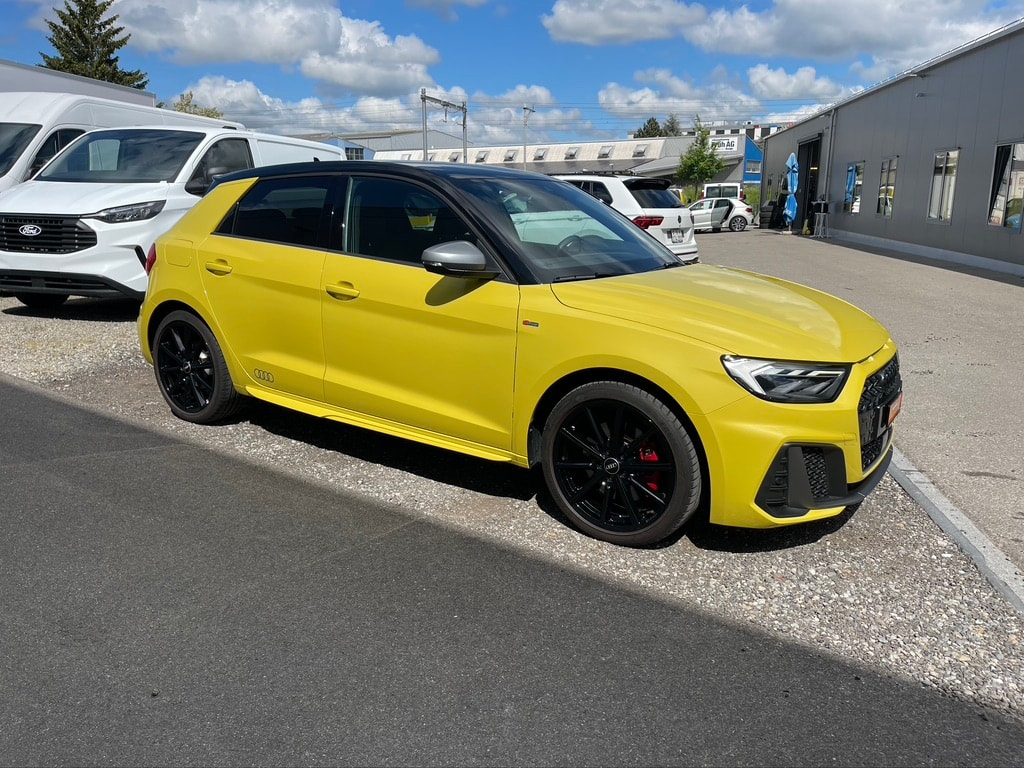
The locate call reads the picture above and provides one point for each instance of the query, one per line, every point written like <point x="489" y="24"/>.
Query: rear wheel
<point x="737" y="223"/>
<point x="620" y="464"/>
<point x="41" y="300"/>
<point x="191" y="370"/>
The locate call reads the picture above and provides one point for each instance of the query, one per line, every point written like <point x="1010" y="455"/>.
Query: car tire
<point x="737" y="223"/>
<point x="191" y="371"/>
<point x="41" y="300"/>
<point x="620" y="464"/>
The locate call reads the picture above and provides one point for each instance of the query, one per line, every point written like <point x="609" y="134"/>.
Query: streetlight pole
<point x="527" y="111"/>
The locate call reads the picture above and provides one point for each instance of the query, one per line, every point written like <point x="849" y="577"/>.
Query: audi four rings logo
<point x="30" y="230"/>
<point x="266" y="376"/>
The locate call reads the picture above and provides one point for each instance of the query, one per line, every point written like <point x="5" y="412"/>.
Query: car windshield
<point x="14" y="137"/>
<point x="123" y="156"/>
<point x="565" y="234"/>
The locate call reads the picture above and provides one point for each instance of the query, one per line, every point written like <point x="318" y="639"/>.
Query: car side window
<point x="54" y="143"/>
<point x="600" y="191"/>
<point x="395" y="220"/>
<point x="723" y="203"/>
<point x="222" y="157"/>
<point x="294" y="211"/>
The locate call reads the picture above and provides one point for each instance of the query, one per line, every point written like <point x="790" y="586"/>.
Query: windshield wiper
<point x="585" y="276"/>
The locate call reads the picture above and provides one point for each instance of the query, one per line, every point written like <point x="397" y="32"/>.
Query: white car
<point x="646" y="202"/>
<point x="718" y="213"/>
<point x="84" y="224"/>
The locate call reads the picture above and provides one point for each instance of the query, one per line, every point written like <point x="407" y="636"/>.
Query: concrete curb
<point x="989" y="559"/>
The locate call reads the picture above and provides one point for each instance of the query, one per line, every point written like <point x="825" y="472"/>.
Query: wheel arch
<point x="566" y="384"/>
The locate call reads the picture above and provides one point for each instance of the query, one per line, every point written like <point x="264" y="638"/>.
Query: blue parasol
<point x="792" y="179"/>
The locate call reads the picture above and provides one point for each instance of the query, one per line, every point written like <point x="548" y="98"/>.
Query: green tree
<point x="185" y="104"/>
<point x="651" y="130"/>
<point x="86" y="43"/>
<point x="672" y="127"/>
<point x="700" y="163"/>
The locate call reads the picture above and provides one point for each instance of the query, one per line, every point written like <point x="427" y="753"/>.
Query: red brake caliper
<point x="649" y="455"/>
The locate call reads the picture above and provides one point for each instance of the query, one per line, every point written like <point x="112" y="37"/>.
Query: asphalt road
<point x="165" y="604"/>
<point x="961" y="336"/>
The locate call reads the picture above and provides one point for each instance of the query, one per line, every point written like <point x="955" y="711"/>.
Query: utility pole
<point x="527" y="111"/>
<point x="446" y="105"/>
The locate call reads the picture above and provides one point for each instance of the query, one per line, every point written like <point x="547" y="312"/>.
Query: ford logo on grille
<point x="30" y="230"/>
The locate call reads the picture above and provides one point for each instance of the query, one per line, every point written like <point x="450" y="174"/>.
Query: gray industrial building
<point x="928" y="163"/>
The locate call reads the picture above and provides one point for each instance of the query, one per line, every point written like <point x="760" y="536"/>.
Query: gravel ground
<point x="881" y="586"/>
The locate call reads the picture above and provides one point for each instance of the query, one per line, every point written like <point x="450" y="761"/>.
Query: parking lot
<point x="882" y="586"/>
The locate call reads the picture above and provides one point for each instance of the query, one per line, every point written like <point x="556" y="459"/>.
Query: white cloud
<point x="346" y="56"/>
<point x="611" y="22"/>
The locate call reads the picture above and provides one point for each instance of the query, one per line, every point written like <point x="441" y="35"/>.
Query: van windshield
<point x="14" y="137"/>
<point x="123" y="156"/>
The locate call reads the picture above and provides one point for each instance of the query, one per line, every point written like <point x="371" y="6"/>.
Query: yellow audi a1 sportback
<point x="513" y="317"/>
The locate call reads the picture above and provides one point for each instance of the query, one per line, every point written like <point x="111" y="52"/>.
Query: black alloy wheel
<point x="620" y="464"/>
<point x="191" y="370"/>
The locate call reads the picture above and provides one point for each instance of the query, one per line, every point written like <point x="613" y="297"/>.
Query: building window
<point x="753" y="166"/>
<point x="454" y="157"/>
<point x="571" y="152"/>
<point x="940" y="204"/>
<point x="854" y="187"/>
<point x="510" y="155"/>
<point x="887" y="186"/>
<point x="640" y="150"/>
<point x="540" y="154"/>
<point x="355" y="153"/>
<point x="606" y="151"/>
<point x="1007" y="193"/>
<point x="407" y="156"/>
<point x="481" y="156"/>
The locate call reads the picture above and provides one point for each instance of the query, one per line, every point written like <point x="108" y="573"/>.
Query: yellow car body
<point x="475" y="365"/>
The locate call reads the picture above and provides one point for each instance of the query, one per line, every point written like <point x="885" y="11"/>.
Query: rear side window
<point x="295" y="211"/>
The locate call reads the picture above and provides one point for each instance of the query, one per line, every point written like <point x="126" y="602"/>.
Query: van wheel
<point x="191" y="371"/>
<point x="620" y="464"/>
<point x="41" y="300"/>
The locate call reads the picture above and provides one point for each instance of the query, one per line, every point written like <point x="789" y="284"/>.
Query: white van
<point x="84" y="224"/>
<point x="35" y="126"/>
<point x="730" y="189"/>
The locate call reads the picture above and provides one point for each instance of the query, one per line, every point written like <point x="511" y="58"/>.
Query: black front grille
<point x="881" y="390"/>
<point x="44" y="234"/>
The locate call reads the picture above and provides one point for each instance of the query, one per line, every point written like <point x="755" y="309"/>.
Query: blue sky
<point x="590" y="69"/>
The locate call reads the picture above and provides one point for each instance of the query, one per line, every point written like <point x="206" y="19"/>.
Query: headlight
<point x="137" y="212"/>
<point x="783" y="381"/>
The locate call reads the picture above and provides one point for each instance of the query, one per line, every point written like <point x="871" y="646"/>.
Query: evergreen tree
<point x="701" y="162"/>
<point x="651" y="130"/>
<point x="672" y="127"/>
<point x="185" y="104"/>
<point x="86" y="43"/>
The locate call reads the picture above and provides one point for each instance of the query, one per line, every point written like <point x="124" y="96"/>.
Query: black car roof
<point x="409" y="169"/>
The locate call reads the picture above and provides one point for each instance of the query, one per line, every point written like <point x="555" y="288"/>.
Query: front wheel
<point x="620" y="464"/>
<point x="191" y="371"/>
<point x="737" y="223"/>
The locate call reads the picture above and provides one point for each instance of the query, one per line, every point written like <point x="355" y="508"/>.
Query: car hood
<point x="69" y="198"/>
<point x="739" y="312"/>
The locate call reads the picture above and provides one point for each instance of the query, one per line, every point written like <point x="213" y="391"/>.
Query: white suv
<point x="648" y="203"/>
